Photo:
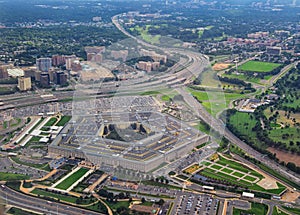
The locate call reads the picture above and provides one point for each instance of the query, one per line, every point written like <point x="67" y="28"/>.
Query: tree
<point x="143" y="200"/>
<point x="161" y="202"/>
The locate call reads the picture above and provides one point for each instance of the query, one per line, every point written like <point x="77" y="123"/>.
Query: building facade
<point x="24" y="84"/>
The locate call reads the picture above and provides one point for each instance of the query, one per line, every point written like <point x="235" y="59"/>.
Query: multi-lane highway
<point x="11" y="197"/>
<point x="192" y="66"/>
<point x="198" y="64"/>
<point x="221" y="128"/>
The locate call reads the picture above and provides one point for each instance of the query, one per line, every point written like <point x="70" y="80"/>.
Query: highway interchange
<point x="173" y="79"/>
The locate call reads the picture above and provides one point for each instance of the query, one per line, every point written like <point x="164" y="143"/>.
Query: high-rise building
<point x="3" y="71"/>
<point x="44" y="64"/>
<point x="24" y="83"/>
<point x="60" y="78"/>
<point x="58" y="60"/>
<point x="45" y="80"/>
<point x="69" y="61"/>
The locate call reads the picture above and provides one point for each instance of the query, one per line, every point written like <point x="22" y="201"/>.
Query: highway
<point x="198" y="65"/>
<point x="11" y="197"/>
<point x="192" y="66"/>
<point x="221" y="128"/>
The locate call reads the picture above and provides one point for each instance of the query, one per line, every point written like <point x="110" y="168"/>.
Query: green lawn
<point x="292" y="210"/>
<point x="4" y="176"/>
<point x="16" y="122"/>
<point x="256" y="208"/>
<point x="215" y="101"/>
<point x="276" y="135"/>
<point x="238" y="174"/>
<point x="63" y="120"/>
<point x="258" y="66"/>
<point x="224" y="175"/>
<point x="277" y="211"/>
<point x="18" y="211"/>
<point x="166" y="98"/>
<point x="244" y="123"/>
<point x="72" y="179"/>
<point x="115" y="205"/>
<point x="294" y="104"/>
<point x="244" y="78"/>
<point x="202" y="145"/>
<point x="217" y="167"/>
<point x="99" y="207"/>
<point x="62" y="197"/>
<point x="143" y="31"/>
<point x="205" y="163"/>
<point x="210" y="173"/>
<point x="158" y="184"/>
<point x="44" y="166"/>
<point x="201" y="126"/>
<point x="51" y="121"/>
<point x="249" y="178"/>
<point x="227" y="170"/>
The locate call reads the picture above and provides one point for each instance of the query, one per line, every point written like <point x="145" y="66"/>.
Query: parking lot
<point x="195" y="204"/>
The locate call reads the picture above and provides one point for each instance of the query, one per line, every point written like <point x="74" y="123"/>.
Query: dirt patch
<point x="290" y="196"/>
<point x="285" y="156"/>
<point x="220" y="66"/>
<point x="267" y="182"/>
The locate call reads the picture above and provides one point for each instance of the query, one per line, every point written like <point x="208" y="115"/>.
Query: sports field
<point x="258" y="66"/>
<point x="65" y="184"/>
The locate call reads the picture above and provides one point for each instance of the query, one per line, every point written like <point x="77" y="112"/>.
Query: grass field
<point x="244" y="78"/>
<point x="51" y="121"/>
<point x="292" y="210"/>
<point x="72" y="179"/>
<point x="244" y="123"/>
<point x="238" y="166"/>
<point x="62" y="197"/>
<point x="258" y="66"/>
<point x="18" y="211"/>
<point x="115" y="205"/>
<point x="63" y="120"/>
<point x="277" y="211"/>
<point x="44" y="166"/>
<point x="143" y="31"/>
<point x="256" y="208"/>
<point x="4" y="176"/>
<point x="277" y="135"/>
<point x="215" y="101"/>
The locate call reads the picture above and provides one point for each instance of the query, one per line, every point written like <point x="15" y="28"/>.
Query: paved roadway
<point x="195" y="63"/>
<point x="17" y="199"/>
<point x="219" y="126"/>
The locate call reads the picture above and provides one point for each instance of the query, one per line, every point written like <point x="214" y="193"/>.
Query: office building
<point x="24" y="83"/>
<point x="60" y="78"/>
<point x="3" y="71"/>
<point x="45" y="80"/>
<point x="44" y="64"/>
